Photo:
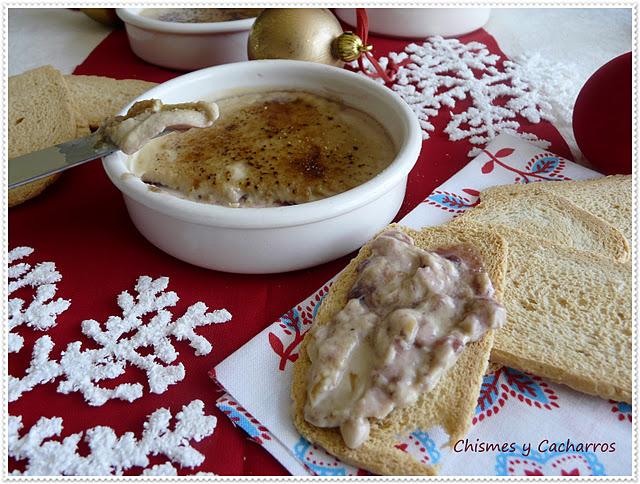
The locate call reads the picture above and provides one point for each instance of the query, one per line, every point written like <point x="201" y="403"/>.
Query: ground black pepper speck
<point x="290" y="148"/>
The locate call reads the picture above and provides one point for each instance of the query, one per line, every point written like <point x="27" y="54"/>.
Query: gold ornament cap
<point x="348" y="47"/>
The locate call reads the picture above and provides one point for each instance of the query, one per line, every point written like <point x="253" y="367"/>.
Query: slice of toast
<point x="492" y="367"/>
<point x="40" y="114"/>
<point x="450" y="404"/>
<point x="98" y="98"/>
<point x="548" y="216"/>
<point x="568" y="317"/>
<point x="607" y="197"/>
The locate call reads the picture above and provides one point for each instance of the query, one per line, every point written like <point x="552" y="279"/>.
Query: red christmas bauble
<point x="602" y="117"/>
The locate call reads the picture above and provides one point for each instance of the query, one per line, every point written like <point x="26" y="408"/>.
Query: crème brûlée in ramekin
<point x="269" y="149"/>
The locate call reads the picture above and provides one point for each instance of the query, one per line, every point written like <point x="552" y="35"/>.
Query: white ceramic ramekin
<point x="274" y="239"/>
<point x="420" y="22"/>
<point x="186" y="46"/>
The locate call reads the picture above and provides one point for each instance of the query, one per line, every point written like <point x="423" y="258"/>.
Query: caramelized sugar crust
<point x="270" y="149"/>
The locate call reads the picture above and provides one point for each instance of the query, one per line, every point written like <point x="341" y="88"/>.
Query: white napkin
<point x="521" y="413"/>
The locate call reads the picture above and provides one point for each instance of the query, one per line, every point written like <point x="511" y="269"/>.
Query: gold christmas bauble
<point x="106" y="16"/>
<point x="295" y="33"/>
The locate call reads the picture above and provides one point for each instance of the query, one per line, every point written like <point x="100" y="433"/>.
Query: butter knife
<point x="39" y="164"/>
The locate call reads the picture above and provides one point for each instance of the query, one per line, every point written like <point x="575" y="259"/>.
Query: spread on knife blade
<point x="409" y="315"/>
<point x="147" y="119"/>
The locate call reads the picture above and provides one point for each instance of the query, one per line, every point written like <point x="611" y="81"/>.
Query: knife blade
<point x="39" y="164"/>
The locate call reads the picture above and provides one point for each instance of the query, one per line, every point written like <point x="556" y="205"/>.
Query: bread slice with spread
<point x="450" y="404"/>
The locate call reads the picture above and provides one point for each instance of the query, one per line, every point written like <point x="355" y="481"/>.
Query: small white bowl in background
<point x="186" y="46"/>
<point x="420" y="22"/>
<point x="274" y="239"/>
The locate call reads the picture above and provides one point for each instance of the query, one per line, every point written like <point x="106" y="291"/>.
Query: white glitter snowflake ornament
<point x="82" y="370"/>
<point x="126" y="340"/>
<point x="442" y="72"/>
<point x="41" y="370"/>
<point x="142" y="336"/>
<point x="108" y="453"/>
<point x="41" y="311"/>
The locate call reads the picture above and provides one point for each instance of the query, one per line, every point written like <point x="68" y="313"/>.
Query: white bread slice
<point x="609" y="197"/>
<point x="450" y="404"/>
<point x="41" y="114"/>
<point x="492" y="367"/>
<point x="98" y="98"/>
<point x="548" y="216"/>
<point x="568" y="317"/>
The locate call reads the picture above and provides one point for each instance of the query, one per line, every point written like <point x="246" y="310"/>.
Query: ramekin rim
<point x="273" y="217"/>
<point x="140" y="21"/>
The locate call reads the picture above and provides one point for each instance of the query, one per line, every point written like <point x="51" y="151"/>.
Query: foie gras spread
<point x="199" y="15"/>
<point x="269" y="149"/>
<point x="409" y="315"/>
<point x="147" y="119"/>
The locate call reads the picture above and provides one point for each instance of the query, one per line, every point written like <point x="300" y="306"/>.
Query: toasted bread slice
<point x="41" y="114"/>
<point x="492" y="367"/>
<point x="607" y="197"/>
<point x="450" y="404"/>
<point x="548" y="216"/>
<point x="568" y="317"/>
<point x="98" y="98"/>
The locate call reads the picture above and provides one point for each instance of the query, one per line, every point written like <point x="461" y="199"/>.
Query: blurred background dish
<point x="105" y="16"/>
<point x="419" y="22"/>
<point x="200" y="15"/>
<point x="186" y="45"/>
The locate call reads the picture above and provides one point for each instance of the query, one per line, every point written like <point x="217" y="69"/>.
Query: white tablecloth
<point x="56" y="36"/>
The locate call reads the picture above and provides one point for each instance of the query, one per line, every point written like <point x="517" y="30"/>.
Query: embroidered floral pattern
<point x="421" y="447"/>
<point x="292" y="326"/>
<point x="621" y="410"/>
<point x="452" y="202"/>
<point x="507" y="383"/>
<point x="543" y="166"/>
<point x="548" y="464"/>
<point x="243" y="419"/>
<point x="320" y="463"/>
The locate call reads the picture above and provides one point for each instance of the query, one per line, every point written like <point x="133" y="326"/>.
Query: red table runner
<point x="81" y="224"/>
